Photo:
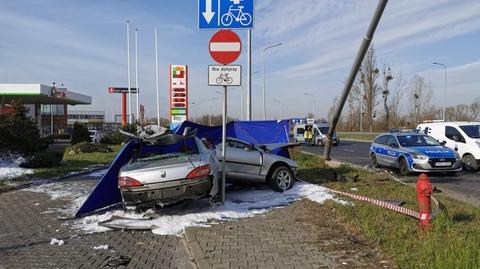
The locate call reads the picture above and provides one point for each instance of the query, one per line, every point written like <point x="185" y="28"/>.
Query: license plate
<point x="443" y="164"/>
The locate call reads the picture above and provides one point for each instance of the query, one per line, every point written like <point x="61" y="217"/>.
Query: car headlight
<point x="418" y="156"/>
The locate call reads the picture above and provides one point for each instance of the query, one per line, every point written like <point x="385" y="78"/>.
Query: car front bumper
<point x="169" y="192"/>
<point x="428" y="166"/>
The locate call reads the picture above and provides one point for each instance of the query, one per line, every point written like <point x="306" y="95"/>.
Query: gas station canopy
<point x="41" y="94"/>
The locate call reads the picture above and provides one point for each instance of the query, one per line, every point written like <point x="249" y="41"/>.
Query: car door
<point x="379" y="149"/>
<point x="391" y="151"/>
<point x="242" y="158"/>
<point x="455" y="139"/>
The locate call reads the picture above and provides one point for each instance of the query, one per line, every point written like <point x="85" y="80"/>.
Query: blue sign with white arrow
<point x="225" y="14"/>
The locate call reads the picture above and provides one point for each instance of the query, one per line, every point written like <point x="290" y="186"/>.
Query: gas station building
<point x="47" y="104"/>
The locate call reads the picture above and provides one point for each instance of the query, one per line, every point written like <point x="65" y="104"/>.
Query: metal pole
<point x="136" y="74"/>
<point x="51" y="119"/>
<point x="263" y="78"/>
<point x="224" y="139"/>
<point x="445" y="96"/>
<point x="241" y="104"/>
<point x="249" y="74"/>
<point x="445" y="93"/>
<point x="210" y="112"/>
<point x="156" y="77"/>
<point x="353" y="73"/>
<point x="129" y="81"/>
<point x="263" y="87"/>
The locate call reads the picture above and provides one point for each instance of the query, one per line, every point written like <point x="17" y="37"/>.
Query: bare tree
<point x="368" y="79"/>
<point x="387" y="77"/>
<point x="420" y="95"/>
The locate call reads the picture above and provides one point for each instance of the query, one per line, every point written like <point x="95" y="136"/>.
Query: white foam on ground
<point x="11" y="169"/>
<point x="239" y="204"/>
<point x="243" y="203"/>
<point x="99" y="173"/>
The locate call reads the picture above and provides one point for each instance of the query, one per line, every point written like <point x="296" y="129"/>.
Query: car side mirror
<point x="443" y="143"/>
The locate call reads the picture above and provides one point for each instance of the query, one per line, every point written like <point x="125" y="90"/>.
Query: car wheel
<point x="282" y="179"/>
<point x="374" y="161"/>
<point x="469" y="163"/>
<point x="403" y="167"/>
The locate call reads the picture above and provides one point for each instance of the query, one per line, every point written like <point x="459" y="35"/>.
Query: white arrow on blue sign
<point x="225" y="14"/>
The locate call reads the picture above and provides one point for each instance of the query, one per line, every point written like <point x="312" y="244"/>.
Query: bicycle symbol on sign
<point x="224" y="78"/>
<point x="237" y="14"/>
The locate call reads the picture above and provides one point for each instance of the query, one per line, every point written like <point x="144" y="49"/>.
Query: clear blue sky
<point x="83" y="45"/>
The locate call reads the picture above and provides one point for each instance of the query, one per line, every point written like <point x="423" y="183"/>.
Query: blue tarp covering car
<point x="106" y="192"/>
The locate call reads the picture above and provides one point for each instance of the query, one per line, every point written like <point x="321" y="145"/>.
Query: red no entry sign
<point x="225" y="46"/>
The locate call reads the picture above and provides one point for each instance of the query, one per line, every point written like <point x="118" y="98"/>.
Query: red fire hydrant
<point x="424" y="194"/>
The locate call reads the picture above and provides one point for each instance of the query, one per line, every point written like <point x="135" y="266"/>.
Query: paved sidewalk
<point x="302" y="235"/>
<point x="29" y="221"/>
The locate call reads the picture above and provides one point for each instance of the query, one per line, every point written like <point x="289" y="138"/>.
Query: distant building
<point x="91" y="119"/>
<point x="47" y="104"/>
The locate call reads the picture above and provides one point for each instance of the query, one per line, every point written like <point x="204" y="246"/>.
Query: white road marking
<point x="349" y="150"/>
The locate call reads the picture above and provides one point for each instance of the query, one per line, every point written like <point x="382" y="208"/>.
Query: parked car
<point x="182" y="169"/>
<point x="319" y="134"/>
<point x="95" y="136"/>
<point x="249" y="162"/>
<point x="413" y="152"/>
<point x="463" y="137"/>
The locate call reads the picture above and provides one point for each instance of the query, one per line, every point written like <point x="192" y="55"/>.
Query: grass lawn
<point x="72" y="163"/>
<point x="453" y="242"/>
<point x="357" y="136"/>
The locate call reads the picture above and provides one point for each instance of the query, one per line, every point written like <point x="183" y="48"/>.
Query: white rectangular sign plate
<point x="224" y="75"/>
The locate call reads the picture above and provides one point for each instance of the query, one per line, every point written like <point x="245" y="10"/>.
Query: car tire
<point x="403" y="167"/>
<point x="374" y="161"/>
<point x="469" y="163"/>
<point x="282" y="179"/>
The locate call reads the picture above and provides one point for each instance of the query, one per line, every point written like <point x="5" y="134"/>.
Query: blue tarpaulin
<point x="256" y="132"/>
<point x="106" y="193"/>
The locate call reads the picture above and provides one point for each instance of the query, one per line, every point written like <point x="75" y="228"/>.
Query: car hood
<point x="433" y="152"/>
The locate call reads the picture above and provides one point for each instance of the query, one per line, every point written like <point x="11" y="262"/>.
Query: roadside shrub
<point x="80" y="134"/>
<point x="18" y="133"/>
<point x="115" y="138"/>
<point x="42" y="159"/>
<point x="86" y="147"/>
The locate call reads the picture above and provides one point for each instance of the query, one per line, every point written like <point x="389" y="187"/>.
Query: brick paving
<point x="29" y="221"/>
<point x="301" y="235"/>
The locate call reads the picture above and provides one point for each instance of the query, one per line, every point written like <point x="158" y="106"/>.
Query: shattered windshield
<point x="166" y="152"/>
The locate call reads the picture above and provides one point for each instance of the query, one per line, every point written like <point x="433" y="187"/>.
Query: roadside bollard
<point x="424" y="194"/>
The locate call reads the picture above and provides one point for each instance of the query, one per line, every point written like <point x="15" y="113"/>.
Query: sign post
<point x="231" y="14"/>
<point x="224" y="47"/>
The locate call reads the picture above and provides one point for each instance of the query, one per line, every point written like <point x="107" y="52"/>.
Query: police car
<point x="413" y="152"/>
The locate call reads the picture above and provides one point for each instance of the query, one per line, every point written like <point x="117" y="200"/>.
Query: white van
<point x="320" y="134"/>
<point x="464" y="137"/>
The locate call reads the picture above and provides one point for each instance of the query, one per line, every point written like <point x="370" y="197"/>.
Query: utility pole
<point x="353" y="73"/>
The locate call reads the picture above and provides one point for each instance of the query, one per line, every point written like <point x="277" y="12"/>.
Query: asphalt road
<point x="464" y="187"/>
